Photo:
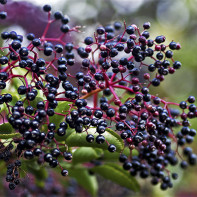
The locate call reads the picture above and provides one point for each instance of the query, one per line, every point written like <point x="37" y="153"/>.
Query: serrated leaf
<point x="87" y="181"/>
<point x="117" y="174"/>
<point x="79" y="139"/>
<point x="84" y="154"/>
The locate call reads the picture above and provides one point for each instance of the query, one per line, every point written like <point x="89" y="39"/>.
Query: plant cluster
<point x="47" y="113"/>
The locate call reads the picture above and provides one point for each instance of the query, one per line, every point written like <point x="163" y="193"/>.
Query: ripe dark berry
<point x="67" y="156"/>
<point x="111" y="148"/>
<point x="37" y="151"/>
<point x="130" y="30"/>
<point x="127" y="165"/>
<point x="88" y="40"/>
<point x="61" y="131"/>
<point x="47" y="8"/>
<point x="12" y="186"/>
<point x="164" y="186"/>
<point x="7" y="98"/>
<point x="90" y="138"/>
<point x="30" y="36"/>
<point x="184" y="164"/>
<point x="117" y="25"/>
<point x="48" y="157"/>
<point x="173" y="45"/>
<point x="53" y="163"/>
<point x="155" y="82"/>
<point x="122" y="158"/>
<point x="65" y="20"/>
<point x="159" y="39"/>
<point x="3" y="15"/>
<point x="100" y="139"/>
<point x="100" y="30"/>
<point x="183" y="105"/>
<point x="28" y="154"/>
<point x="169" y="54"/>
<point x="110" y="112"/>
<point x="191" y="99"/>
<point x="98" y="113"/>
<point x="64" y="172"/>
<point x="177" y="65"/>
<point x="174" y="176"/>
<point x="36" y="42"/>
<point x="3" y="2"/>
<point x="192" y="159"/>
<point x="146" y="25"/>
<point x="65" y="28"/>
<point x="58" y="15"/>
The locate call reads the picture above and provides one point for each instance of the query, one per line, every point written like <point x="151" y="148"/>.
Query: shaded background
<point x="177" y="20"/>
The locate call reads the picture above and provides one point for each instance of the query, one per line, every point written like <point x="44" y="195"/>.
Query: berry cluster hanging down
<point x="120" y="65"/>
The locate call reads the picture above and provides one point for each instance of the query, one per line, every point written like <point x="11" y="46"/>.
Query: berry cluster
<point x="13" y="174"/>
<point x="115" y="73"/>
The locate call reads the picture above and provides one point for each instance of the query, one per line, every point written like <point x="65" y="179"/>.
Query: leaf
<point x="8" y="136"/>
<point x="87" y="181"/>
<point x="6" y="128"/>
<point x="2" y="107"/>
<point x="84" y="154"/>
<point x="62" y="108"/>
<point x="7" y="131"/>
<point x="79" y="139"/>
<point x="99" y="151"/>
<point x="34" y="102"/>
<point x="117" y="174"/>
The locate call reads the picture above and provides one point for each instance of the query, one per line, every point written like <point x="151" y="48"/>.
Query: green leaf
<point x="34" y="102"/>
<point x="62" y="108"/>
<point x="84" y="154"/>
<point x="87" y="181"/>
<point x="79" y="139"/>
<point x="6" y="128"/>
<point x="99" y="151"/>
<point x="7" y="131"/>
<point x="117" y="174"/>
<point x="2" y="107"/>
<point x="8" y="136"/>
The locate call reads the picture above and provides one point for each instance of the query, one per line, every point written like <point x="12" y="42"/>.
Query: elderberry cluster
<point x="115" y="59"/>
<point x="13" y="174"/>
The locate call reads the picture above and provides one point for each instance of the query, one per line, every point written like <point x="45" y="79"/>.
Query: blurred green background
<point x="177" y="20"/>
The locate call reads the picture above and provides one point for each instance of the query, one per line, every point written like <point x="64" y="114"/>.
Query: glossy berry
<point x="47" y="8"/>
<point x="111" y="148"/>
<point x="64" y="172"/>
<point x="90" y="138"/>
<point x="100" y="139"/>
